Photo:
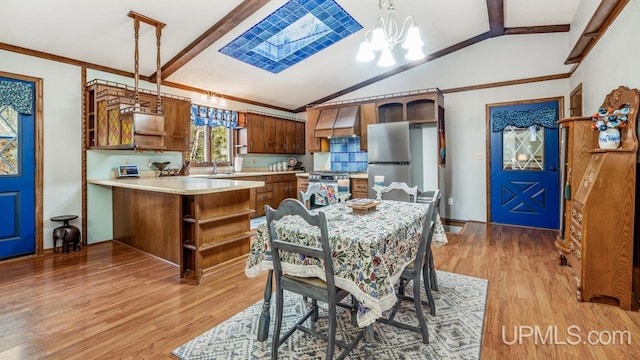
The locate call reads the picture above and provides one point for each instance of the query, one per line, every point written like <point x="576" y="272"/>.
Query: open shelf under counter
<point x="198" y="224"/>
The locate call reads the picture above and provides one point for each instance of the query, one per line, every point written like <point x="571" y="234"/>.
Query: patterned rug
<point x="454" y="333"/>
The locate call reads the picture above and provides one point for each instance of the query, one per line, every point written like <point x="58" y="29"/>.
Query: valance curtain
<point x="18" y="94"/>
<point x="205" y="115"/>
<point x="545" y="117"/>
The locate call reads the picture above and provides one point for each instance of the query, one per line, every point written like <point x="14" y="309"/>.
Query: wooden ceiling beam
<point x="430" y="57"/>
<point x="218" y="30"/>
<point x="543" y="29"/>
<point x="495" y="9"/>
<point x="604" y="15"/>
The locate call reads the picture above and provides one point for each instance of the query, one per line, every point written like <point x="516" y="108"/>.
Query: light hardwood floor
<point x="113" y="302"/>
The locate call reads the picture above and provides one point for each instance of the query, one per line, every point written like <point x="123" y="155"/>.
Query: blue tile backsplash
<point x="292" y="33"/>
<point x="346" y="154"/>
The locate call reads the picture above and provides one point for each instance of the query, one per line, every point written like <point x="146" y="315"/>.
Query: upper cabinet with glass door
<point x="110" y="123"/>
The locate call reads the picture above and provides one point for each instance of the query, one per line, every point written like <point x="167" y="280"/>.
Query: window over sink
<point x="211" y="135"/>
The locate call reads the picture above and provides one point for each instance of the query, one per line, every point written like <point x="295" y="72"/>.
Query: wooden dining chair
<point x="413" y="272"/>
<point x="429" y="276"/>
<point x="429" y="271"/>
<point x="310" y="287"/>
<point x="316" y="191"/>
<point x="401" y="186"/>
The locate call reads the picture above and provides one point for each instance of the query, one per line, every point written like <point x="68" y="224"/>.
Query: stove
<point x="328" y="176"/>
<point x="327" y="180"/>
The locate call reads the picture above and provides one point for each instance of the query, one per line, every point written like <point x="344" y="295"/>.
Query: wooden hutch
<point x="598" y="236"/>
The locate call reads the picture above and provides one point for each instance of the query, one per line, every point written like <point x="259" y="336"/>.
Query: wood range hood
<point x="338" y="121"/>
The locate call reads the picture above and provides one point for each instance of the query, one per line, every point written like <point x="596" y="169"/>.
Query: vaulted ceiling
<point x="99" y="34"/>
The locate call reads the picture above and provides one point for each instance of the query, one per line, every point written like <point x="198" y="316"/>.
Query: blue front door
<point x="525" y="180"/>
<point x="17" y="184"/>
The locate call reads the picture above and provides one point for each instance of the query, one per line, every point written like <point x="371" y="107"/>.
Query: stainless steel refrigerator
<point x="395" y="152"/>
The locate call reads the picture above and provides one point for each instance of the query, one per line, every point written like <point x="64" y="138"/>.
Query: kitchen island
<point x="196" y="223"/>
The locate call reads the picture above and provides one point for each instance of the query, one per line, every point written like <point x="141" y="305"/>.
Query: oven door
<point x="332" y="192"/>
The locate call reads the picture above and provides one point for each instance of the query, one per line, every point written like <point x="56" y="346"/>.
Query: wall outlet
<point x="253" y="161"/>
<point x="450" y="201"/>
<point x="478" y="156"/>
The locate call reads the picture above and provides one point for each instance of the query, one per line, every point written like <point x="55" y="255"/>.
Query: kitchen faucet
<point x="215" y="167"/>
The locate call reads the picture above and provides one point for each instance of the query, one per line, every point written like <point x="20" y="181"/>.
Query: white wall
<point x="62" y="177"/>
<point x="612" y="62"/>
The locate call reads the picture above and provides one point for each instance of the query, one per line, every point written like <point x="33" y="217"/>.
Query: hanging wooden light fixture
<point x="146" y="124"/>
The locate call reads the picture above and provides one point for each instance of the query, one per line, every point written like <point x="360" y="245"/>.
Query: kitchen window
<point x="210" y="143"/>
<point x="211" y="135"/>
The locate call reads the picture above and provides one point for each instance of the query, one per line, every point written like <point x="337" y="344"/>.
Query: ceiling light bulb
<point x="213" y="99"/>
<point x="365" y="53"/>
<point x="386" y="58"/>
<point x="413" y="39"/>
<point x="222" y="102"/>
<point x="414" y="54"/>
<point x="378" y="40"/>
<point x="204" y="97"/>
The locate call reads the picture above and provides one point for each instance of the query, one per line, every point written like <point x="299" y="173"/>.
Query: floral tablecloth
<point x="369" y="251"/>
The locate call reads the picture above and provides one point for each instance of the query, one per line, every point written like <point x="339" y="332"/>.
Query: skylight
<point x="292" y="33"/>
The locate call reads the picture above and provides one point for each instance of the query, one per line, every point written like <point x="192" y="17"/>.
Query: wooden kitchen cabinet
<point x="368" y="116"/>
<point x="111" y="124"/>
<point x="280" y="192"/>
<point x="271" y="134"/>
<point x="256" y="142"/>
<point x="264" y="195"/>
<point x="177" y="125"/>
<point x="359" y="188"/>
<point x="289" y="135"/>
<point x="264" y="134"/>
<point x="419" y="108"/>
<point x="315" y="144"/>
<point x="302" y="184"/>
<point x="390" y="111"/>
<point x="299" y="147"/>
<point x="284" y="186"/>
<point x="215" y="230"/>
<point x="200" y="233"/>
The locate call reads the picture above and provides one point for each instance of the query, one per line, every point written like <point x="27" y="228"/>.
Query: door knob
<point x="552" y="168"/>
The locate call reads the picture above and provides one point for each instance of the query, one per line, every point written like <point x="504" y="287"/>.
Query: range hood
<point x="339" y="121"/>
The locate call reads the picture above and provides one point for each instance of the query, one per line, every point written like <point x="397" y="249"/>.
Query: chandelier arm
<point x="391" y="31"/>
<point x="405" y="29"/>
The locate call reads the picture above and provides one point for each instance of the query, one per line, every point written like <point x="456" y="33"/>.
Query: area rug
<point x="454" y="333"/>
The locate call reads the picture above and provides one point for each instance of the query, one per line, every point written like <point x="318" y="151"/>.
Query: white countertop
<point x="243" y="174"/>
<point x="180" y="185"/>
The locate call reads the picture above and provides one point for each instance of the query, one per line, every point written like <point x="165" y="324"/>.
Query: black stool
<point x="69" y="234"/>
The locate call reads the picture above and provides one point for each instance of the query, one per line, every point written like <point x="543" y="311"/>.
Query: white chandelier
<point x="214" y="99"/>
<point x="387" y="34"/>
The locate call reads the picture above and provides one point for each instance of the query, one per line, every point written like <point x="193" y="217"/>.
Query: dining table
<point x="370" y="251"/>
